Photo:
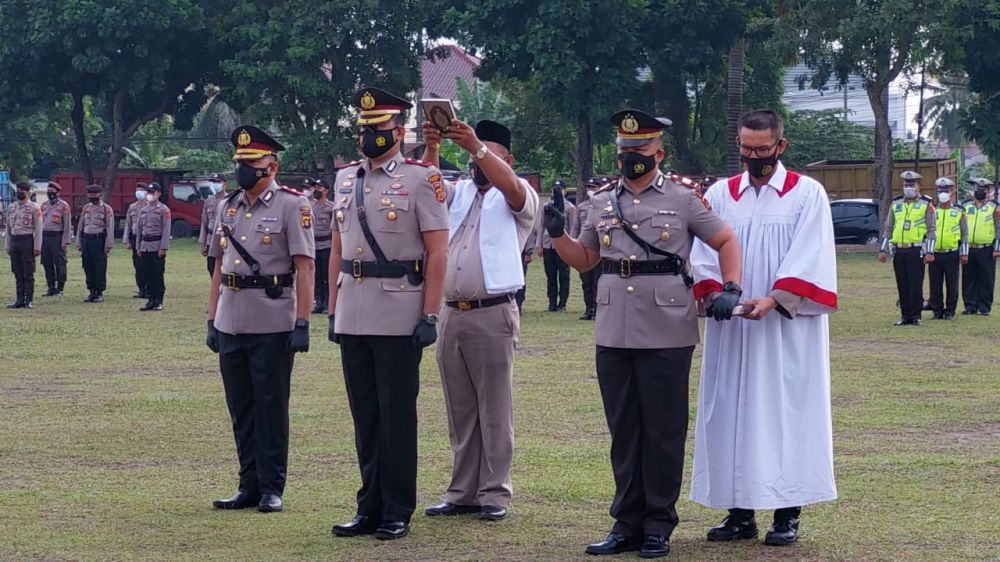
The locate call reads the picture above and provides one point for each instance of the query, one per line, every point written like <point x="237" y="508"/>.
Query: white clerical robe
<point x="763" y="434"/>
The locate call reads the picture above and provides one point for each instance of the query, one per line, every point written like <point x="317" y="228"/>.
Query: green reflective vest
<point x="982" y="225"/>
<point x="949" y="229"/>
<point x="910" y="225"/>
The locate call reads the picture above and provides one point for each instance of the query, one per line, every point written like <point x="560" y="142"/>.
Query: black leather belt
<point x="235" y="282"/>
<point x="52" y="233"/>
<point x="627" y="268"/>
<point x="19" y="237"/>
<point x="152" y="238"/>
<point x="485" y="303"/>
<point x="324" y="238"/>
<point x="98" y="235"/>
<point x="391" y="270"/>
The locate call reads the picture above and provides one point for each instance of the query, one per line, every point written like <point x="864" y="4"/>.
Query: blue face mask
<point x="217" y="188"/>
<point x="140" y="195"/>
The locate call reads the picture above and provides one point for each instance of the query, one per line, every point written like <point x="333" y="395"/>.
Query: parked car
<point x="855" y="221"/>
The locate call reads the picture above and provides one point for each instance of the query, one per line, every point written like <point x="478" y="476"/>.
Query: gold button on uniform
<point x="630" y="289"/>
<point x="636" y="201"/>
<point x="385" y="200"/>
<point x="237" y="262"/>
<point x="631" y="257"/>
<point x="664" y="236"/>
<point x="391" y="215"/>
<point x="606" y="240"/>
<point x="635" y="226"/>
<point x="243" y="238"/>
<point x="360" y="251"/>
<point x="249" y="215"/>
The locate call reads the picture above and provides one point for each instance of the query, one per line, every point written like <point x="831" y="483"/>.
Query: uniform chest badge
<point x="224" y="242"/>
<point x="606" y="240"/>
<point x="391" y="215"/>
<point x="266" y="239"/>
<point x="230" y="212"/>
<point x="340" y="216"/>
<point x="614" y="222"/>
<point x="665" y="235"/>
<point x="396" y="185"/>
<point x="347" y="183"/>
<point x="385" y="201"/>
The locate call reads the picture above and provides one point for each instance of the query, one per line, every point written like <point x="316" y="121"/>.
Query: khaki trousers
<point x="475" y="355"/>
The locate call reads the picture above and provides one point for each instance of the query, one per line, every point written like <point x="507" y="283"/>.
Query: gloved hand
<point x="425" y="334"/>
<point x="330" y="334"/>
<point x="299" y="340"/>
<point x="554" y="217"/>
<point x="721" y="308"/>
<point x="212" y="341"/>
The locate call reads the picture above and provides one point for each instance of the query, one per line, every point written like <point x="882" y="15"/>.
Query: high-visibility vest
<point x="949" y="229"/>
<point x="982" y="222"/>
<point x="910" y="222"/>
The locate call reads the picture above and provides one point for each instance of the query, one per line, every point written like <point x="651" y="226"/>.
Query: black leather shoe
<point x="552" y="308"/>
<point x="320" y="308"/>
<point x="938" y="316"/>
<point x="915" y="322"/>
<point x="270" y="503"/>
<point x="968" y="312"/>
<point x="27" y="304"/>
<point x="949" y="316"/>
<point x="147" y="307"/>
<point x="654" y="546"/>
<point x="392" y="530"/>
<point x="615" y="543"/>
<point x="360" y="525"/>
<point x="98" y="298"/>
<point x="902" y="322"/>
<point x="493" y="513"/>
<point x="50" y="293"/>
<point x="783" y="533"/>
<point x="242" y="500"/>
<point x="984" y="312"/>
<point x="734" y="528"/>
<point x="448" y="508"/>
<point x="90" y="297"/>
<point x="16" y="304"/>
<point x="140" y="295"/>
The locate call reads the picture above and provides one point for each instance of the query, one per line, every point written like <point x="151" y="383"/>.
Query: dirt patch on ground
<point x="978" y="438"/>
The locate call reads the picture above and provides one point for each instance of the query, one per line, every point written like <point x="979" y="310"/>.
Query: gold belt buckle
<point x="356" y="264"/>
<point x="464" y="305"/>
<point x="626" y="268"/>
<point x="231" y="282"/>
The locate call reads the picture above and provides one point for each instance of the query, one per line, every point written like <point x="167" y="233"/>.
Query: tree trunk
<point x="878" y="96"/>
<point x="734" y="103"/>
<point x="672" y="93"/>
<point x="117" y="143"/>
<point x="83" y="155"/>
<point x="584" y="151"/>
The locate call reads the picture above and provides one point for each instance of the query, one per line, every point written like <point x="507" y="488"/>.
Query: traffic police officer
<point x="951" y="247"/>
<point x="208" y="223"/>
<point x="258" y="313"/>
<point x="23" y="244"/>
<point x="979" y="275"/>
<point x="910" y="235"/>
<point x="152" y="228"/>
<point x="390" y="250"/>
<point x="639" y="235"/>
<point x="128" y="238"/>
<point x="323" y="212"/>
<point x="57" y="226"/>
<point x="95" y="235"/>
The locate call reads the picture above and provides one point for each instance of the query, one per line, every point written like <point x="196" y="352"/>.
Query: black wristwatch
<point x="431" y="319"/>
<point x="731" y="287"/>
<point x="301" y="323"/>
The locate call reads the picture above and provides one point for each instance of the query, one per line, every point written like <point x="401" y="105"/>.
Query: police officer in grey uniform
<point x="258" y="313"/>
<point x="556" y="270"/>
<point x="208" y="223"/>
<point x="95" y="235"/>
<point x="128" y="238"/>
<point x="57" y="227"/>
<point x="152" y="228"/>
<point x="588" y="279"/>
<point x="390" y="250"/>
<point x="323" y="212"/>
<point x="23" y="244"/>
<point x="638" y="236"/>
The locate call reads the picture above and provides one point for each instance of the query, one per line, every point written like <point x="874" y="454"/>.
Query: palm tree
<point x="943" y="112"/>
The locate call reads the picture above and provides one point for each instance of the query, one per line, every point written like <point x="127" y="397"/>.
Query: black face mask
<point x="634" y="165"/>
<point x="247" y="176"/>
<point x="318" y="194"/>
<point x="53" y="195"/>
<point x="979" y="194"/>
<point x="94" y="198"/>
<point x="376" y="143"/>
<point x="22" y="195"/>
<point x="478" y="176"/>
<point x="759" y="167"/>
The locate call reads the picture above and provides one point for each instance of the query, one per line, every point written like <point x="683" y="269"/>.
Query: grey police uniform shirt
<point x="323" y="212"/>
<point x="152" y="228"/>
<point x="22" y="219"/>
<point x="95" y="219"/>
<point x="208" y="218"/>
<point x="130" y="215"/>
<point x="542" y="239"/>
<point x="403" y="199"/>
<point x="57" y="217"/>
<point x="647" y="311"/>
<point x="275" y="229"/>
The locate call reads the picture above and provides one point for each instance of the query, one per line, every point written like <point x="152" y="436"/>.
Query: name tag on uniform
<point x="269" y="219"/>
<point x="345" y="190"/>
<point x="906" y="225"/>
<point x="228" y="220"/>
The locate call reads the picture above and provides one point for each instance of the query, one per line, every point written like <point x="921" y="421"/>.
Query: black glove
<point x="330" y="334"/>
<point x="554" y="217"/>
<point x="299" y="340"/>
<point x="721" y="308"/>
<point x="425" y="334"/>
<point x="212" y="341"/>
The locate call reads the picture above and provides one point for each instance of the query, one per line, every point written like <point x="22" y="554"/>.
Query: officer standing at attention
<point x="639" y="235"/>
<point x="526" y="252"/>
<point x="979" y="275"/>
<point x="128" y="238"/>
<point x="208" y="223"/>
<point x="556" y="270"/>
<point x="95" y="235"/>
<point x="910" y="234"/>
<point x="152" y="228"/>
<point x="951" y="247"/>
<point x="390" y="251"/>
<point x="588" y="279"/>
<point x="322" y="209"/>
<point x="57" y="226"/>
<point x="258" y="313"/>
<point x="23" y="244"/>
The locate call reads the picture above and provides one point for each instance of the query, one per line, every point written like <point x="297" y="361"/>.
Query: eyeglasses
<point x="756" y="151"/>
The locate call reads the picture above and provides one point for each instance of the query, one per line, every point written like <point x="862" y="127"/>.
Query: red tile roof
<point x="440" y="68"/>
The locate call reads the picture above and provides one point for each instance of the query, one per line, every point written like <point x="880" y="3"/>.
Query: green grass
<point x="114" y="438"/>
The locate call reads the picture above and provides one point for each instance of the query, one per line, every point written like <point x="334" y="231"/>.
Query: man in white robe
<point x="763" y="435"/>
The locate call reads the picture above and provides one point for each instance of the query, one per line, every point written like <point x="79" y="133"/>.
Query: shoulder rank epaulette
<point x="898" y="198"/>
<point x="287" y="189"/>
<point x="603" y="188"/>
<point x="926" y="198"/>
<point x="418" y="162"/>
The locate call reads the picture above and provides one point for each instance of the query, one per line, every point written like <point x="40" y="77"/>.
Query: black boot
<point x="19" y="303"/>
<point x="150" y="304"/>
<point x="91" y="296"/>
<point x="739" y="524"/>
<point x="98" y="296"/>
<point x="785" y="530"/>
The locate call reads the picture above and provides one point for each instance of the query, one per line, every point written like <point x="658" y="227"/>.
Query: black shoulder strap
<point x="251" y="261"/>
<point x="627" y="227"/>
<point x="359" y="202"/>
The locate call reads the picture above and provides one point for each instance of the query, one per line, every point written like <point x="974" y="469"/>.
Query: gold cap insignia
<point x="244" y="138"/>
<point x="367" y="101"/>
<point x="629" y="124"/>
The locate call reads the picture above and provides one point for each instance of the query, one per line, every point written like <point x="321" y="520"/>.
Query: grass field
<point x="114" y="439"/>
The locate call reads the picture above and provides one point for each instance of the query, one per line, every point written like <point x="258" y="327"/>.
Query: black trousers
<point x="210" y="262"/>
<point x="645" y="394"/>
<point x="782" y="515"/>
<point x="256" y="373"/>
<point x="95" y="262"/>
<point x="383" y="379"/>
<point x="978" y="278"/>
<point x="944" y="271"/>
<point x="140" y="282"/>
<point x="521" y="293"/>
<point x="54" y="261"/>
<point x="589" y="281"/>
<point x="557" y="274"/>
<point x="322" y="275"/>
<point x="22" y="264"/>
<point x="909" y="268"/>
<point x="153" y="268"/>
